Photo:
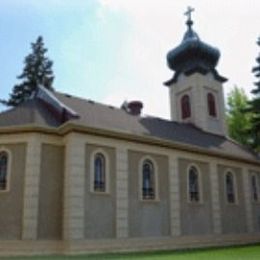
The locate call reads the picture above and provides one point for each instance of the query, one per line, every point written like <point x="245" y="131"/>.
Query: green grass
<point x="230" y="253"/>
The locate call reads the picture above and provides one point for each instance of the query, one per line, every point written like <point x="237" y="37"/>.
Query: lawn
<point x="233" y="253"/>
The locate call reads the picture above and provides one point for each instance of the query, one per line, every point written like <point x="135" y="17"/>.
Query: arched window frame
<point x="255" y="194"/>
<point x="227" y="172"/>
<point x="8" y="172"/>
<point x="185" y="102"/>
<point x="200" y="190"/>
<point x="92" y="171"/>
<point x="212" y="105"/>
<point x="155" y="172"/>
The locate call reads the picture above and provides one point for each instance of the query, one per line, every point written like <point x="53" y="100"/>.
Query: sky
<point x="115" y="50"/>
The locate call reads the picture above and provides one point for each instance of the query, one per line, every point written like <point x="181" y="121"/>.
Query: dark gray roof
<point x="31" y="112"/>
<point x="96" y="115"/>
<point x="193" y="55"/>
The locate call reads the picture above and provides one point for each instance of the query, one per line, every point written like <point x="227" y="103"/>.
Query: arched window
<point x="254" y="188"/>
<point x="211" y="105"/>
<point x="99" y="173"/>
<point x="230" y="188"/>
<point x="194" y="191"/>
<point x="3" y="170"/>
<point x="148" y="180"/>
<point x="185" y="107"/>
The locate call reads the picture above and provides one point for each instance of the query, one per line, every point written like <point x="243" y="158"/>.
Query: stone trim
<point x="121" y="192"/>
<point x="248" y="202"/>
<point x="146" y="148"/>
<point x="161" y="145"/>
<point x="31" y="188"/>
<point x="74" y="188"/>
<point x="174" y="193"/>
<point x="215" y="200"/>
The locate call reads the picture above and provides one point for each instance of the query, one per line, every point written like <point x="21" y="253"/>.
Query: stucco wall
<point x="196" y="218"/>
<point x="51" y="192"/>
<point x="11" y="202"/>
<point x="148" y="218"/>
<point x="255" y="205"/>
<point x="100" y="208"/>
<point x="233" y="216"/>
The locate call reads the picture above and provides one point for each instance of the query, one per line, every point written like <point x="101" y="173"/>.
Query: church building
<point x="79" y="176"/>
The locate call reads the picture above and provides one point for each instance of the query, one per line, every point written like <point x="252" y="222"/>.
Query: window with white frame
<point x="99" y="172"/>
<point x="255" y="187"/>
<point x="230" y="187"/>
<point x="193" y="184"/>
<point x="212" y="110"/>
<point x="185" y="107"/>
<point x="148" y="180"/>
<point x="3" y="170"/>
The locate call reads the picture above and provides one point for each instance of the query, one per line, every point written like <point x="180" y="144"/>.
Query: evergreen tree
<point x="254" y="105"/>
<point x="37" y="71"/>
<point x="237" y="120"/>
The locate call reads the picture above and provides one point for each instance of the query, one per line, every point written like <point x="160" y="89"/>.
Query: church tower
<point x="196" y="92"/>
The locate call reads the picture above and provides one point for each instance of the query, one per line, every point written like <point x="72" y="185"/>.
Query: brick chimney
<point x="134" y="107"/>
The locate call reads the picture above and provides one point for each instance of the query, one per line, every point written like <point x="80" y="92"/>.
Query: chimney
<point x="134" y="107"/>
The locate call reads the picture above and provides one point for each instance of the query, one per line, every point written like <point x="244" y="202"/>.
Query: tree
<point x="254" y="105"/>
<point x="37" y="71"/>
<point x="238" y="121"/>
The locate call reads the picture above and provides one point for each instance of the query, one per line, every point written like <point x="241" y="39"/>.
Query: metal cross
<point x="188" y="12"/>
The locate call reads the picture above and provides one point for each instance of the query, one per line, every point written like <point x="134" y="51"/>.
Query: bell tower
<point x="196" y="91"/>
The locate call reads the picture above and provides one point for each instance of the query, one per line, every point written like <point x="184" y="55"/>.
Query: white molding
<point x="248" y="200"/>
<point x="107" y="171"/>
<point x="215" y="198"/>
<point x="174" y="195"/>
<point x="146" y="148"/>
<point x="121" y="192"/>
<point x="74" y="188"/>
<point x="31" y="188"/>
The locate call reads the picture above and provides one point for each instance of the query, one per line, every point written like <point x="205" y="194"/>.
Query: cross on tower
<point x="188" y="12"/>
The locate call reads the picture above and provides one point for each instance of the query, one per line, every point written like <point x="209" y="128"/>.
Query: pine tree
<point x="237" y="120"/>
<point x="254" y="104"/>
<point x="37" y="71"/>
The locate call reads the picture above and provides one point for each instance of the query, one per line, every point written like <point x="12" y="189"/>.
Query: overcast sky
<point x="114" y="50"/>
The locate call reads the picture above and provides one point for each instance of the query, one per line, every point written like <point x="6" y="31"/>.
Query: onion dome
<point x="193" y="55"/>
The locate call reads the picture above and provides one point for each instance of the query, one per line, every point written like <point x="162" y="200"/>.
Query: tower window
<point x="3" y="170"/>
<point x="230" y="188"/>
<point x="148" y="181"/>
<point x="193" y="186"/>
<point x="211" y="105"/>
<point x="185" y="107"/>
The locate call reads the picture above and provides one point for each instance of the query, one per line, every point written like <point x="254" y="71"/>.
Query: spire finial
<point x="188" y="14"/>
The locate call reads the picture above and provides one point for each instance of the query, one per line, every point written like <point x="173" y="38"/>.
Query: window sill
<point x="101" y="193"/>
<point x="235" y="204"/>
<point x="4" y="191"/>
<point x="150" y="200"/>
<point x="195" y="203"/>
